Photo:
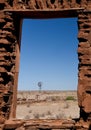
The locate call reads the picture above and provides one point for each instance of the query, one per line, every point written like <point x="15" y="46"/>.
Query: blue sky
<point x="49" y="54"/>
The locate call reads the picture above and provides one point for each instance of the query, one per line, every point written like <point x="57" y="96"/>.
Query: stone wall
<point x="9" y="43"/>
<point x="45" y="4"/>
<point x="11" y="14"/>
<point x="84" y="54"/>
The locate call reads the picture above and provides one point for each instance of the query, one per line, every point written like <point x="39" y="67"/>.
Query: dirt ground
<point x="47" y="105"/>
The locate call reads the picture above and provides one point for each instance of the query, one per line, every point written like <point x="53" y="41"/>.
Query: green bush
<point x="55" y="98"/>
<point x="70" y="98"/>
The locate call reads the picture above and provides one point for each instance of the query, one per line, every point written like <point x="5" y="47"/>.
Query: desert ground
<point x="47" y="105"/>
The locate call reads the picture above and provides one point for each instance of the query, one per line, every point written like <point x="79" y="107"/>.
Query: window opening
<point x="47" y="47"/>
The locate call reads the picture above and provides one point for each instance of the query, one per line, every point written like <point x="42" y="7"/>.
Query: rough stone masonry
<point x="12" y="12"/>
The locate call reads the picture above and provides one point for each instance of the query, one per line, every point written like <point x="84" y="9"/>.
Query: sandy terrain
<point x="47" y="105"/>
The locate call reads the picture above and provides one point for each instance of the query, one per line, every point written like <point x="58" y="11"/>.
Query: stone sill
<point x="39" y="124"/>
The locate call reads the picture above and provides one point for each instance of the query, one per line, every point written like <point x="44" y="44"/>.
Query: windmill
<point x="40" y="85"/>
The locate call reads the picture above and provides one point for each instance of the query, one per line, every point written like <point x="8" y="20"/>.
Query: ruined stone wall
<point x="84" y="55"/>
<point x="45" y="4"/>
<point x="11" y="14"/>
<point x="9" y="40"/>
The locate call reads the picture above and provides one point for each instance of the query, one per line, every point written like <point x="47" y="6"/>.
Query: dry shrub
<point x="66" y="106"/>
<point x="36" y="116"/>
<point x="28" y="105"/>
<point x="27" y="117"/>
<point x="30" y="111"/>
<point x="48" y="113"/>
<point x="60" y="116"/>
